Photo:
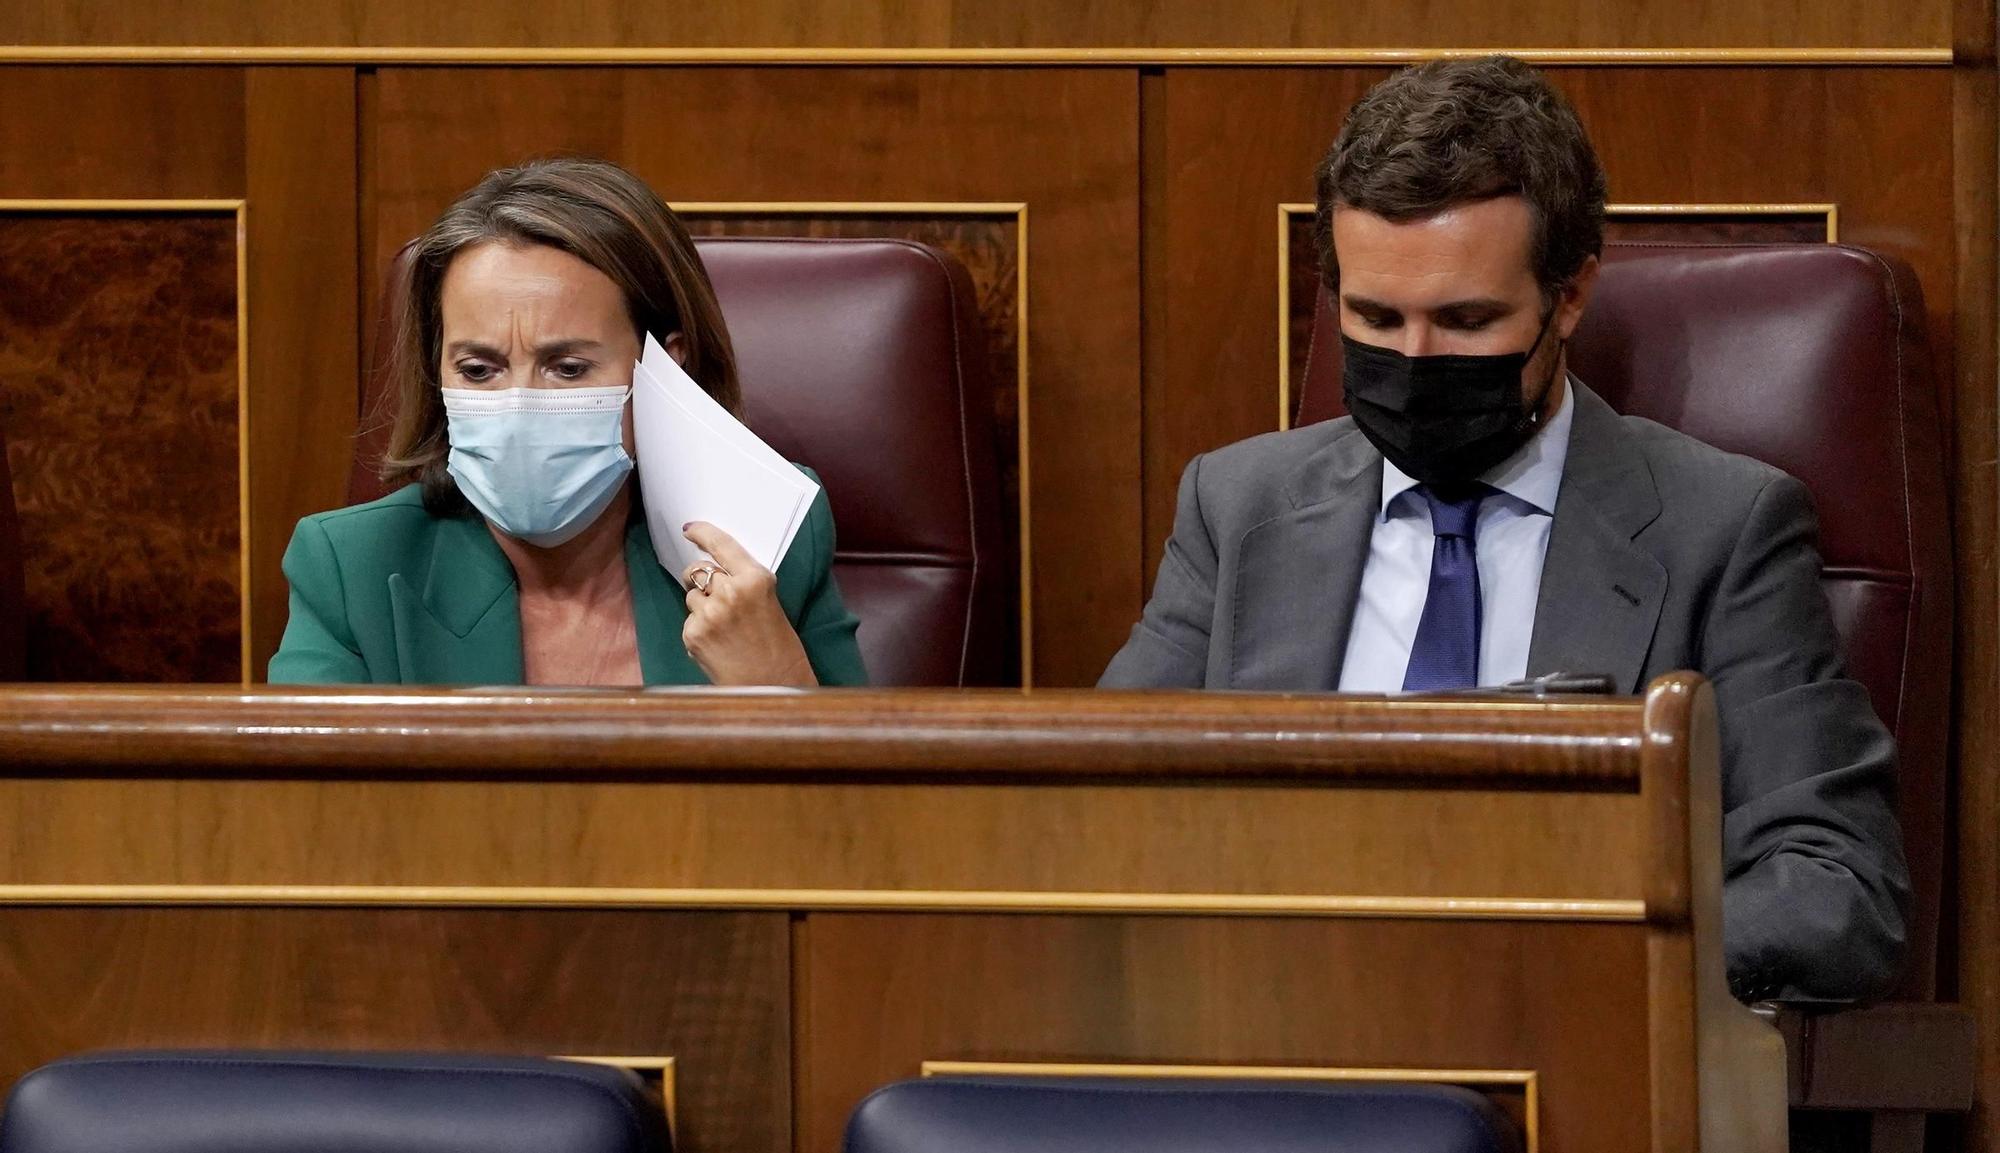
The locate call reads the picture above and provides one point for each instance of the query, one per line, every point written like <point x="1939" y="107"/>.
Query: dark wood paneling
<point x="140" y="133"/>
<point x="1449" y="23"/>
<point x="1396" y="797"/>
<point x="304" y="263"/>
<point x="1063" y="141"/>
<point x="121" y="132"/>
<point x="1802" y="227"/>
<point x="1220" y="303"/>
<point x="1974" y="888"/>
<point x="711" y="990"/>
<point x="884" y="994"/>
<point x="1301" y="272"/>
<point x="118" y="394"/>
<point x="1876" y="142"/>
<point x="987" y="23"/>
<point x="1154" y="266"/>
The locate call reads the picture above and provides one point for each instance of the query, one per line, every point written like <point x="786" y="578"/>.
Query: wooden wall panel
<point x="148" y="134"/>
<point x="1973" y="880"/>
<point x="283" y="140"/>
<point x="988" y="23"/>
<point x="326" y="155"/>
<point x="97" y="133"/>
<point x="119" y="375"/>
<point x="711" y="990"/>
<point x="887" y="993"/>
<point x="304" y="294"/>
<point x="1062" y="141"/>
<point x="1219" y="210"/>
<point x="1876" y="142"/>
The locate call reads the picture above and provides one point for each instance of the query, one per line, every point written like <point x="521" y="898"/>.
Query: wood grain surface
<point x="1463" y="883"/>
<point x="1493" y="739"/>
<point x="1973" y="888"/>
<point x="986" y="23"/>
<point x="1282" y="797"/>
<point x="304" y="356"/>
<point x="710" y="990"/>
<point x="884" y="994"/>
<point x="118" y="393"/>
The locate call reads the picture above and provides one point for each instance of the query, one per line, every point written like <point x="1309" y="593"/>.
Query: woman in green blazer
<point x="517" y="553"/>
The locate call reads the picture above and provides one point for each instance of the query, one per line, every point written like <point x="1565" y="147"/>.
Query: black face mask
<point x="1443" y="420"/>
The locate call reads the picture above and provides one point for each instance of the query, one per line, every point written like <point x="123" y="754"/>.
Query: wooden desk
<point x="800" y="897"/>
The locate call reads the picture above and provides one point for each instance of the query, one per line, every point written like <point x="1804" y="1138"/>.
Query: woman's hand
<point x="736" y="630"/>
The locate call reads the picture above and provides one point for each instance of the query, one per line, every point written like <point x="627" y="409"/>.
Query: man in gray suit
<point x="1482" y="516"/>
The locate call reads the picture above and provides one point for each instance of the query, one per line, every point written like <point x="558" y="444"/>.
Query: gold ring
<point x="701" y="578"/>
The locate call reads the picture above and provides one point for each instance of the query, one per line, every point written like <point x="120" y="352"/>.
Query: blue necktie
<point x="1446" y="653"/>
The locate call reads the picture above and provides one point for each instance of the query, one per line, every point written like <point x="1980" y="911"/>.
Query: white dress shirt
<point x="1512" y="537"/>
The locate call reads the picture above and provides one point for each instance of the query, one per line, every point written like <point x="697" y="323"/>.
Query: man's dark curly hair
<point x="1454" y="131"/>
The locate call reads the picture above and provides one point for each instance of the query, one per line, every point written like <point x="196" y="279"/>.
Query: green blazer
<point x="386" y="593"/>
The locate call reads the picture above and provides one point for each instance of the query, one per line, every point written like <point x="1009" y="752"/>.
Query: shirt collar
<point x="1533" y="475"/>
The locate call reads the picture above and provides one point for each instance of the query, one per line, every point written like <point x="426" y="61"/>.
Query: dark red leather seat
<point x="1814" y="358"/>
<point x="863" y="360"/>
<point x="13" y="594"/>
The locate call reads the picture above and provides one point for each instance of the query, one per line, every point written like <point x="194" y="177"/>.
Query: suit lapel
<point x="659" y="611"/>
<point x="464" y="625"/>
<point x="1298" y="574"/>
<point x="1601" y="594"/>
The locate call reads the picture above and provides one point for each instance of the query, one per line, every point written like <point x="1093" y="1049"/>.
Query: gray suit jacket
<point x="1664" y="554"/>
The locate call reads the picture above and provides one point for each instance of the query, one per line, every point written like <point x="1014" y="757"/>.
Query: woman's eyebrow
<point x="546" y="348"/>
<point x="567" y="344"/>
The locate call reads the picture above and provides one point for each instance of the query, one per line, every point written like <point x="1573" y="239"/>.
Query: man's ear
<point x="1575" y="297"/>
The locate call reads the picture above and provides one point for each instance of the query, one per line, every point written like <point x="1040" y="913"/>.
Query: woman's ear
<point x="677" y="347"/>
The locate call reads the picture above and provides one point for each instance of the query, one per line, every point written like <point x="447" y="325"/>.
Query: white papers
<point x="697" y="462"/>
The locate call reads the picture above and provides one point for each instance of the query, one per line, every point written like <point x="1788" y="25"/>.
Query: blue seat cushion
<point x="1174" y="1115"/>
<point x="270" y="1102"/>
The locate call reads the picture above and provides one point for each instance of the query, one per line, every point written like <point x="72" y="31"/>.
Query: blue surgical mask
<point x="540" y="463"/>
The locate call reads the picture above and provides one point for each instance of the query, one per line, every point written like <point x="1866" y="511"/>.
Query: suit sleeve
<point x="825" y="627"/>
<point x="1815" y="890"/>
<point x="1168" y="648"/>
<point x="318" y="647"/>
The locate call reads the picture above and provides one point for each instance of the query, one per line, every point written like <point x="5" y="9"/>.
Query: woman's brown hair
<point x="595" y="211"/>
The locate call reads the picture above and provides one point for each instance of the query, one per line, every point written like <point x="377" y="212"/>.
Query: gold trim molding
<point x="1290" y="210"/>
<point x="837" y="900"/>
<point x="1830" y="211"/>
<point x="240" y="209"/>
<point x="905" y="57"/>
<point x="1526" y="1079"/>
<point x="1019" y="211"/>
<point x="661" y="1068"/>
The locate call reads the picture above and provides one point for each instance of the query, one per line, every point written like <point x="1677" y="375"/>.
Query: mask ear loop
<point x="1536" y="413"/>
